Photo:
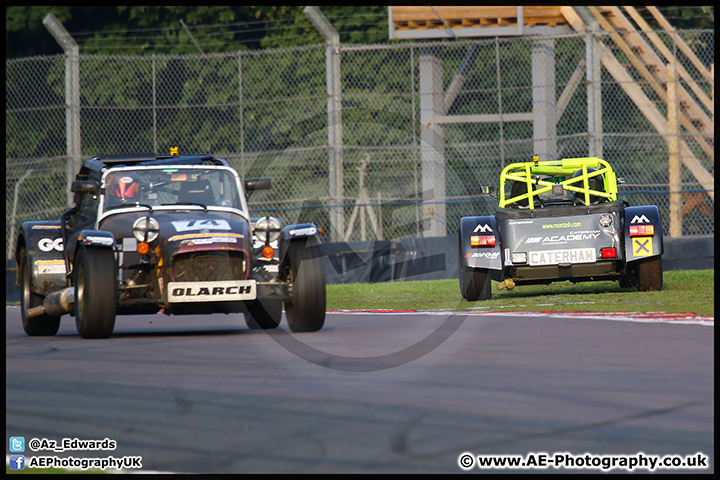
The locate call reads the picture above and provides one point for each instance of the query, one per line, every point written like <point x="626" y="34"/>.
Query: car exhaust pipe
<point x="56" y="304"/>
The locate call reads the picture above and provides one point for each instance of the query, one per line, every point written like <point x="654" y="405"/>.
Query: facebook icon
<point x="17" y="462"/>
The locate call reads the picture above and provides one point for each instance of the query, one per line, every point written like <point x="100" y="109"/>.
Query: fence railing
<point x="266" y="112"/>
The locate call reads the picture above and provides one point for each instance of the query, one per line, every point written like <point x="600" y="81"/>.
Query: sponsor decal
<point x="212" y="224"/>
<point x="192" y="236"/>
<point x="49" y="244"/>
<point x="303" y="231"/>
<point x="231" y="290"/>
<point x="50" y="267"/>
<point x="488" y="255"/>
<point x="554" y="257"/>
<point x="640" y="219"/>
<point x="99" y="240"/>
<point x="482" y="228"/>
<point x="520" y="222"/>
<point x="642" y="247"/>
<point x="209" y="241"/>
<point x="562" y="225"/>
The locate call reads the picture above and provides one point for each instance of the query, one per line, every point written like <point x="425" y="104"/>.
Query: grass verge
<point x="686" y="291"/>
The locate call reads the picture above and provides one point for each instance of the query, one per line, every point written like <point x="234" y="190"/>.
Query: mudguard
<point x="294" y="232"/>
<point x="479" y="257"/>
<point x="299" y="230"/>
<point x="98" y="238"/>
<point x="42" y="242"/>
<point x="637" y="248"/>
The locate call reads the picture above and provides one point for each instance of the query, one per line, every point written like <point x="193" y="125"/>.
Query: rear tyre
<point x="475" y="284"/>
<point x="42" y="325"/>
<point x="263" y="315"/>
<point x="627" y="281"/>
<point x="649" y="274"/>
<point x="95" y="275"/>
<point x="305" y="312"/>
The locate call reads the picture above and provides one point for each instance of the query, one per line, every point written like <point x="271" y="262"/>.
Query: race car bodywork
<point x="561" y="220"/>
<point x="153" y="233"/>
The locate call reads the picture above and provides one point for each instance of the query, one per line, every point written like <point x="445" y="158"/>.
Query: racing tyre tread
<point x="95" y="292"/>
<point x="306" y="311"/>
<point x="475" y="284"/>
<point x="42" y="325"/>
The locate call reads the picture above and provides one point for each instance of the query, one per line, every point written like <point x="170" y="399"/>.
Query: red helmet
<point x="123" y="186"/>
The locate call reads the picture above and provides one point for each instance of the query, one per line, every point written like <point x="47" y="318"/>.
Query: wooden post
<point x="673" y="141"/>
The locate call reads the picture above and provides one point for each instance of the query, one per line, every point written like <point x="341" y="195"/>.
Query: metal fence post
<point x="543" y="98"/>
<point x="154" y="100"/>
<point x="334" y="106"/>
<point x="432" y="144"/>
<point x="72" y="96"/>
<point x="594" y="94"/>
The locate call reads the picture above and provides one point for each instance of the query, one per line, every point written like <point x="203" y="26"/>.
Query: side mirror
<point x="488" y="190"/>
<point x="90" y="187"/>
<point x="252" y="184"/>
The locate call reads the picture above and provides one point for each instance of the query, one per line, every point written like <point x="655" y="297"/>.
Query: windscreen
<point x="172" y="186"/>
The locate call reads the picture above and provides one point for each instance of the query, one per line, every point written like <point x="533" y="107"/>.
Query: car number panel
<point x="222" y="291"/>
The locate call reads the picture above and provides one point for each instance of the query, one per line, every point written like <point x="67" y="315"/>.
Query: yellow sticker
<point x="642" y="247"/>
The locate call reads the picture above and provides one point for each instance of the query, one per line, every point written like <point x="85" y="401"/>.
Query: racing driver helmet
<point x="124" y="187"/>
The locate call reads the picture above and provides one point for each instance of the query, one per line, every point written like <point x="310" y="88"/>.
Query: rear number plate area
<point x="555" y="257"/>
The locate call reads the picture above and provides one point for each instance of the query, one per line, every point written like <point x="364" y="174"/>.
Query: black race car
<point x="152" y="233"/>
<point x="560" y="220"/>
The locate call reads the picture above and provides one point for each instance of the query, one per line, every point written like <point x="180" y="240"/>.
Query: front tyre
<point x="649" y="274"/>
<point x="95" y="275"/>
<point x="305" y="312"/>
<point x="41" y="324"/>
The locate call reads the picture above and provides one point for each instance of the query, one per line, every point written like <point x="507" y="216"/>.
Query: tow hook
<point x="507" y="283"/>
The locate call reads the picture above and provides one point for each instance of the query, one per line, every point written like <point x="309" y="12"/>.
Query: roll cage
<point x="576" y="175"/>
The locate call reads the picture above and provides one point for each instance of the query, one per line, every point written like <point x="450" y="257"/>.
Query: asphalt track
<point x="370" y="393"/>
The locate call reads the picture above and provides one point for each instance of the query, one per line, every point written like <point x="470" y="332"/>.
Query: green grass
<point x="688" y="291"/>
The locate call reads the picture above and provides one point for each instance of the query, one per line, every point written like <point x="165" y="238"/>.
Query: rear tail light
<point x="482" y="241"/>
<point x="608" y="252"/>
<point x="642" y="230"/>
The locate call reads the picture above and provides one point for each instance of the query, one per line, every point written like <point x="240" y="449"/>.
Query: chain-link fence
<point x="266" y="112"/>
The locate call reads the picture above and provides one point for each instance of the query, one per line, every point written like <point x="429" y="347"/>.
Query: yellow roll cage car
<point x="560" y="220"/>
